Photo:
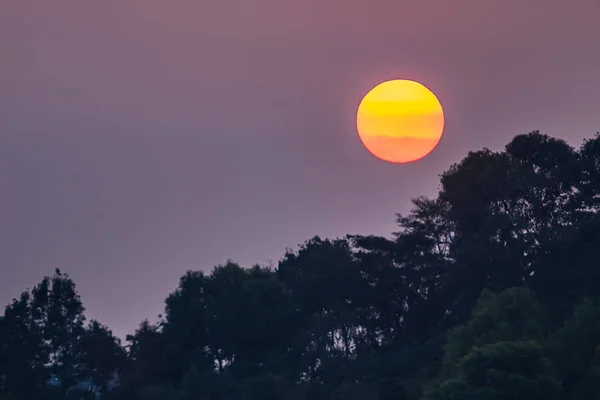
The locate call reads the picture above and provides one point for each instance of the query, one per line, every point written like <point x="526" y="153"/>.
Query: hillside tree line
<point x="489" y="291"/>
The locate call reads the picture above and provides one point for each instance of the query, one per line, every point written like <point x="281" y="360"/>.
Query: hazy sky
<point x="142" y="138"/>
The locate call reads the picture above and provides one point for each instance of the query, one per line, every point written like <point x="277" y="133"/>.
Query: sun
<point x="400" y="121"/>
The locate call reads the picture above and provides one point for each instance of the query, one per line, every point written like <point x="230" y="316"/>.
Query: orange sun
<point x="400" y="121"/>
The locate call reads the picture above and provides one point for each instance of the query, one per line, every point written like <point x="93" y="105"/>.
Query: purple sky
<point x="142" y="138"/>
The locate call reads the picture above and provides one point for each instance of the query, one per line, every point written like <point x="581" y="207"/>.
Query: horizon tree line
<point x="488" y="291"/>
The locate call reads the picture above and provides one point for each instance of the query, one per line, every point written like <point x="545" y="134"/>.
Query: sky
<point x="143" y="138"/>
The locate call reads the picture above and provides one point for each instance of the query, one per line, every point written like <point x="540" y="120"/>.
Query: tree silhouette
<point x="487" y="291"/>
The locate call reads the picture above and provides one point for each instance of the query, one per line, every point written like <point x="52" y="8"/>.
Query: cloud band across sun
<point x="400" y="121"/>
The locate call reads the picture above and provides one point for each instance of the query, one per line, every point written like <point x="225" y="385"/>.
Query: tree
<point x="102" y="356"/>
<point x="503" y="370"/>
<point x="40" y="334"/>
<point x="575" y="349"/>
<point x="24" y="355"/>
<point x="326" y="284"/>
<point x="506" y="206"/>
<point x="568" y="270"/>
<point x="58" y="311"/>
<point x="589" y="160"/>
<point x="498" y="354"/>
<point x="186" y="327"/>
<point x="145" y="367"/>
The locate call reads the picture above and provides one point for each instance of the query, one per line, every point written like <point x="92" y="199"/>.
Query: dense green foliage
<point x="489" y="291"/>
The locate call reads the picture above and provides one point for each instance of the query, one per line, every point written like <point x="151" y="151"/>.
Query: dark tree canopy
<point x="487" y="291"/>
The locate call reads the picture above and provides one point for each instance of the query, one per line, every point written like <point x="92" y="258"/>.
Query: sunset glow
<point x="400" y="121"/>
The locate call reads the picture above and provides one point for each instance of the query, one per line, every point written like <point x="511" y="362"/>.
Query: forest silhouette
<point x="489" y="291"/>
